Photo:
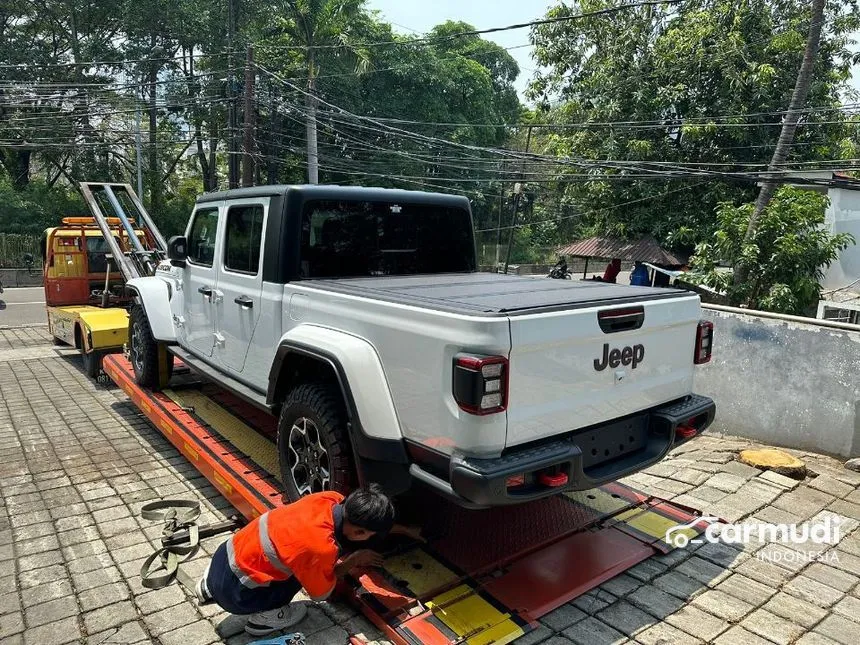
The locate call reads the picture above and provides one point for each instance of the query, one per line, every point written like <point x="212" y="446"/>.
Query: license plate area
<point x="609" y="442"/>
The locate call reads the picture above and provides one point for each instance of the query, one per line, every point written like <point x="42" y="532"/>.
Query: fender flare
<point x="373" y="424"/>
<point x="154" y="296"/>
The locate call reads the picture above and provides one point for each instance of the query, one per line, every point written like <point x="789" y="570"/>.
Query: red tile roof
<point x="644" y="250"/>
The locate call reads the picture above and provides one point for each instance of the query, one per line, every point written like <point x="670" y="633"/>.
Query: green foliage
<point x="712" y="76"/>
<point x="170" y="62"/>
<point x="36" y="207"/>
<point x="784" y="261"/>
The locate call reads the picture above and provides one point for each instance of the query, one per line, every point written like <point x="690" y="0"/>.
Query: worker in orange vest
<point x="264" y="565"/>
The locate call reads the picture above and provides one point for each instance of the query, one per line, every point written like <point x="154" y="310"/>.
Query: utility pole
<point x="232" y="148"/>
<point x="499" y="228"/>
<point x="155" y="59"/>
<point x="248" y="141"/>
<point x="311" y="123"/>
<point x="789" y="125"/>
<point x="518" y="190"/>
<point x="138" y="95"/>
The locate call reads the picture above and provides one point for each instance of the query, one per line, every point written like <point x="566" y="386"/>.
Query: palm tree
<point x="789" y="125"/>
<point x="314" y="24"/>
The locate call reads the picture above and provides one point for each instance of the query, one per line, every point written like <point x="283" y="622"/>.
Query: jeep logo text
<point x="631" y="356"/>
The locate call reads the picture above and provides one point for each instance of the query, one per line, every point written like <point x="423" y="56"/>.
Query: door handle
<point x="206" y="291"/>
<point x="244" y="301"/>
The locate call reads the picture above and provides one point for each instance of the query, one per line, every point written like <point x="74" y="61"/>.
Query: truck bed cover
<point x="492" y="294"/>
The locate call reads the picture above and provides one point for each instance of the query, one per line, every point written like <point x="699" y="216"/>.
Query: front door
<point x="200" y="280"/>
<point x="240" y="281"/>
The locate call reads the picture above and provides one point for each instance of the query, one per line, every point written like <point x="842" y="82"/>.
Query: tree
<point x="47" y="100"/>
<point x="783" y="261"/>
<point x="792" y="116"/>
<point x="703" y="83"/>
<point x="315" y="25"/>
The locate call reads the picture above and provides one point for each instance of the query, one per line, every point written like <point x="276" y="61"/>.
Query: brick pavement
<point x="77" y="461"/>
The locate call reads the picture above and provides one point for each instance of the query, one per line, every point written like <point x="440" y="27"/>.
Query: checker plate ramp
<point x="483" y="577"/>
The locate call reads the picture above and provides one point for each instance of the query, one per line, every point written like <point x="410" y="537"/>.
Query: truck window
<point x="97" y="250"/>
<point x="354" y="239"/>
<point x="244" y="233"/>
<point x="201" y="237"/>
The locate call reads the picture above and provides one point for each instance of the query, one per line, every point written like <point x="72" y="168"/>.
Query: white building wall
<point x="843" y="216"/>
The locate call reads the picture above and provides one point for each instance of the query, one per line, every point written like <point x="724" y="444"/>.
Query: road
<point x="22" y="306"/>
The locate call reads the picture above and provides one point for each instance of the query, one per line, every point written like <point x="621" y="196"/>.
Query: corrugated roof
<point x="644" y="250"/>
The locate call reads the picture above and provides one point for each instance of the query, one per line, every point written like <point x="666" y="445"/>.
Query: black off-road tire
<point x="143" y="350"/>
<point x="92" y="363"/>
<point x="323" y="406"/>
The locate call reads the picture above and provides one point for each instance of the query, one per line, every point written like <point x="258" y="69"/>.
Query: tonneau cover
<point x="492" y="293"/>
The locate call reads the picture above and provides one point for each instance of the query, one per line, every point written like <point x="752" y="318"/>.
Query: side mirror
<point x="177" y="250"/>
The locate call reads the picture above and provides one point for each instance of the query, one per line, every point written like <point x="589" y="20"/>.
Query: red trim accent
<point x="686" y="432"/>
<point x="554" y="480"/>
<point x="620" y="313"/>
<point x="515" y="480"/>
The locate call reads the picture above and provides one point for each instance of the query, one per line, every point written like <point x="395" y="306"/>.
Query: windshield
<point x="359" y="239"/>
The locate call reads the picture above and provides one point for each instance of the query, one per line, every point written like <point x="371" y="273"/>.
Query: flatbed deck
<point x="483" y="576"/>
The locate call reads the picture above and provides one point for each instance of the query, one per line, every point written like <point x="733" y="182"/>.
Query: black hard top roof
<point x="350" y="193"/>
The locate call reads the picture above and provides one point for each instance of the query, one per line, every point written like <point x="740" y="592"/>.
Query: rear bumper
<point x="581" y="460"/>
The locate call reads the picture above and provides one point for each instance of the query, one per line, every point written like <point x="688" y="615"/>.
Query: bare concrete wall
<point x="20" y="278"/>
<point x="785" y="383"/>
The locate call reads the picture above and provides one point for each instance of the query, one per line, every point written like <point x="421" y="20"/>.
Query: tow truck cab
<point x="84" y="292"/>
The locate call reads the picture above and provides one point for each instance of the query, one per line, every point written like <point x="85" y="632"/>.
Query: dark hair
<point x="369" y="508"/>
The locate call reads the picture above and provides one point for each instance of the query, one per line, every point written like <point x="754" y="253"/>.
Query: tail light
<point x="704" y="342"/>
<point x="481" y="383"/>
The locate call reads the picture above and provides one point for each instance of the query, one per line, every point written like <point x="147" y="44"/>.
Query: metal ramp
<point x="483" y="577"/>
<point x="126" y="206"/>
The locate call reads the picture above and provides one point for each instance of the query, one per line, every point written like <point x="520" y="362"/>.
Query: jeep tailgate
<point x="565" y="372"/>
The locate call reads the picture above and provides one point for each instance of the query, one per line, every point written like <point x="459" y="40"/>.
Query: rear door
<point x="200" y="278"/>
<point x="240" y="280"/>
<point x="580" y="367"/>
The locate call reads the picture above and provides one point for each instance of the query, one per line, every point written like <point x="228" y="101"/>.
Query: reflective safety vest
<point x="295" y="540"/>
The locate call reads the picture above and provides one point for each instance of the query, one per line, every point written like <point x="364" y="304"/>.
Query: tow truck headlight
<point x="480" y="383"/>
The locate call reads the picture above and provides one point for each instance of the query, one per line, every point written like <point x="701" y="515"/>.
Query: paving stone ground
<point x="77" y="461"/>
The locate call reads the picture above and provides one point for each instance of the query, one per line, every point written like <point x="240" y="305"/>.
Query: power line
<point x="432" y="40"/>
<point x="663" y="169"/>
<point x="593" y="211"/>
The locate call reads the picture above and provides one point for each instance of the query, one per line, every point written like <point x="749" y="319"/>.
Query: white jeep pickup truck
<point x="358" y="317"/>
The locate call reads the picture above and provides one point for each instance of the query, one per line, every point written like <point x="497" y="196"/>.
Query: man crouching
<point x="263" y="566"/>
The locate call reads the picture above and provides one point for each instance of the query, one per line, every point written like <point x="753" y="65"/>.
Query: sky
<point x="409" y="16"/>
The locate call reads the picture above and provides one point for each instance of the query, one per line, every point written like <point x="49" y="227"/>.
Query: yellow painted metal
<point x="108" y="327"/>
<point x="69" y="257"/>
<point x="474" y="619"/>
<point x="599" y="500"/>
<point x="420" y="571"/>
<point x="259" y="449"/>
<point x="653" y="524"/>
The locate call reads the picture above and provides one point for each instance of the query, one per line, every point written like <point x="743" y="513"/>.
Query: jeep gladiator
<point x="358" y="317"/>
